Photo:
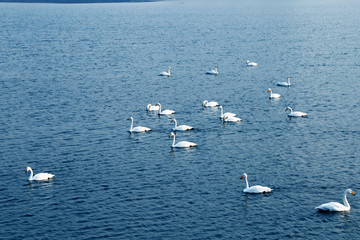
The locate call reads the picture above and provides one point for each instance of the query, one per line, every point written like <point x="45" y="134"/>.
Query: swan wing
<point x="154" y="108"/>
<point x="232" y="119"/>
<point x="167" y="112"/>
<point x="257" y="189"/>
<point x="212" y="72"/>
<point x="185" y="144"/>
<point x="141" y="129"/>
<point x="332" y="207"/>
<point x="297" y="114"/>
<point x="164" y="74"/>
<point x="282" y="84"/>
<point x="212" y="104"/>
<point x="183" y="128"/>
<point x="229" y="114"/>
<point x="43" y="176"/>
<point x="275" y="95"/>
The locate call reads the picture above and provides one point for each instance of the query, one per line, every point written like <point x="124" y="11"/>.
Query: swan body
<point x="227" y="114"/>
<point x="166" y="73"/>
<point x="254" y="189"/>
<point x="251" y="64"/>
<point x="150" y="107"/>
<point x="39" y="176"/>
<point x="213" y="72"/>
<point x="273" y="95"/>
<point x="231" y="119"/>
<point x="165" y="112"/>
<point x="139" y="128"/>
<point x="181" y="127"/>
<point x="182" y="144"/>
<point x="210" y="104"/>
<point x="335" y="206"/>
<point x="284" y="84"/>
<point x="295" y="114"/>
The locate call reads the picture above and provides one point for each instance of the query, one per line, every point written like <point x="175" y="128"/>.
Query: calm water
<point x="71" y="75"/>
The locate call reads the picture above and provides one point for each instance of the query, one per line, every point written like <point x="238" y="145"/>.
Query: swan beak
<point x="170" y="136"/>
<point x="242" y="177"/>
<point x="353" y="193"/>
<point x="172" y="121"/>
<point x="128" y="119"/>
<point x="26" y="170"/>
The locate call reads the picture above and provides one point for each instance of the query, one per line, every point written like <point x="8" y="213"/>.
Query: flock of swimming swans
<point x="231" y="117"/>
<point x="226" y="117"/>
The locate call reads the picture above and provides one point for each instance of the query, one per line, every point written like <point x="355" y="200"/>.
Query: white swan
<point x="166" y="73"/>
<point x="181" y="127"/>
<point x="150" y="107"/>
<point x="210" y="104"/>
<point x="251" y="64"/>
<point x="295" y="114"/>
<point x="256" y="188"/>
<point x="227" y="114"/>
<point x="139" y="128"/>
<point x="231" y="119"/>
<point x="182" y="144"/>
<point x="39" y="176"/>
<point x="273" y="95"/>
<point x="335" y="206"/>
<point x="213" y="72"/>
<point x="284" y="84"/>
<point x="165" y="112"/>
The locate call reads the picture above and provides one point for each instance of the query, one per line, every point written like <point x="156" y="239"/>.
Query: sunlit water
<point x="71" y="75"/>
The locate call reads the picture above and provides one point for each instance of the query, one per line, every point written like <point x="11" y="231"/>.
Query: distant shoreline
<point x="75" y="1"/>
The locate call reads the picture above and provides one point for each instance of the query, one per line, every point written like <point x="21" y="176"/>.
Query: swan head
<point x="220" y="107"/>
<point x="204" y="102"/>
<point x="28" y="169"/>
<point x="244" y="176"/>
<point x="247" y="61"/>
<point x="290" y="77"/>
<point x="148" y="106"/>
<point x="171" y="134"/>
<point x="130" y="118"/>
<point x="288" y="108"/>
<point x="269" y="90"/>
<point x="350" y="191"/>
<point x="158" y="104"/>
<point x="173" y="120"/>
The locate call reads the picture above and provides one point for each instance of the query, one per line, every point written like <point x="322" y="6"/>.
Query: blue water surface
<point x="71" y="75"/>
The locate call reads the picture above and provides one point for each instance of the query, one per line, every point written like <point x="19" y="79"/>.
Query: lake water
<point x="71" y="75"/>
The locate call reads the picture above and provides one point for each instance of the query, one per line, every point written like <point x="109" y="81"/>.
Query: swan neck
<point x="169" y="70"/>
<point x="31" y="175"/>
<point x="175" y="124"/>
<point x="132" y="122"/>
<point x="173" y="144"/>
<point x="222" y="113"/>
<point x="159" y="108"/>
<point x="289" y="81"/>
<point x="346" y="203"/>
<point x="247" y="184"/>
<point x="271" y="93"/>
